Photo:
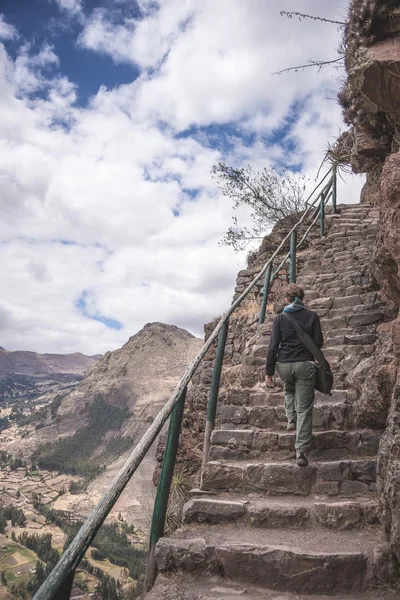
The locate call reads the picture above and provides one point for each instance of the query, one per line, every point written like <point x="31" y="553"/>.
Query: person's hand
<point x="269" y="380"/>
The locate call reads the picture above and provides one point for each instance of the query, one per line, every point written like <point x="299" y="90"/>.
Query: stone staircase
<point x="261" y="522"/>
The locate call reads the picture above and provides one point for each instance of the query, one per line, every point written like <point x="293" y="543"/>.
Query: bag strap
<point x="308" y="342"/>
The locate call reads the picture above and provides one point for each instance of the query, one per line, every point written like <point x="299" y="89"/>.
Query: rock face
<point x="371" y="108"/>
<point x="141" y="375"/>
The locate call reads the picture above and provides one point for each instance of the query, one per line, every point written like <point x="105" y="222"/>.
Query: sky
<point x="112" y="113"/>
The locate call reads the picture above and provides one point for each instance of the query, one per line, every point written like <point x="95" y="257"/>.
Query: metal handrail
<point x="59" y="582"/>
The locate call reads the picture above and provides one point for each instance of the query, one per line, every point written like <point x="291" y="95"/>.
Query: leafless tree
<point x="271" y="195"/>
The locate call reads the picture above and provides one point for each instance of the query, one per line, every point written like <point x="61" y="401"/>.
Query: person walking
<point x="295" y="366"/>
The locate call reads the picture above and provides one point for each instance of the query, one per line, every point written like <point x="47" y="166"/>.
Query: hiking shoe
<point x="291" y="426"/>
<point x="301" y="459"/>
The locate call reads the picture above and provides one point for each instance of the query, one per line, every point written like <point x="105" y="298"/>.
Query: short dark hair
<point x="294" y="291"/>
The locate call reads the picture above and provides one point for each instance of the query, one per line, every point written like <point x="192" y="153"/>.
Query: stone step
<point x="358" y="215"/>
<point x="271" y="397"/>
<point x="274" y="396"/>
<point x="339" y="291"/>
<point x="242" y="444"/>
<point x="337" y="302"/>
<point x="326" y="267"/>
<point x="356" y="317"/>
<point x="184" y="586"/>
<point x="353" y="221"/>
<point x="286" y="560"/>
<point x="351" y="234"/>
<point x="326" y="416"/>
<point x="282" y="513"/>
<point x="345" y="478"/>
<point x="327" y="277"/>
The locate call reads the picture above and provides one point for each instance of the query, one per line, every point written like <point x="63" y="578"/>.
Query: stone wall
<point x="371" y="107"/>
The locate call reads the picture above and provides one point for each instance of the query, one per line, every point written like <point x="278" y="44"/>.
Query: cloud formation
<point x="72" y="6"/>
<point x="109" y="213"/>
<point x="7" y="31"/>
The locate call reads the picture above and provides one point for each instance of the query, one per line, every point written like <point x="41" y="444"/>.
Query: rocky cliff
<point x="128" y="385"/>
<point x="370" y="101"/>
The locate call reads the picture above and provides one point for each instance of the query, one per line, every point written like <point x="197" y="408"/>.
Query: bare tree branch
<point x="291" y="14"/>
<point x="311" y="63"/>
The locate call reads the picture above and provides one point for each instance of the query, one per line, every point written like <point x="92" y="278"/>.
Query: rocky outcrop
<point x="139" y="376"/>
<point x="370" y="101"/>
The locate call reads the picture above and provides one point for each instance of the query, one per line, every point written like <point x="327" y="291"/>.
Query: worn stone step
<point x="343" y="288"/>
<point x="287" y="560"/>
<point x="184" y="586"/>
<point x="345" y="478"/>
<point x="348" y="233"/>
<point x="282" y="513"/>
<point x="355" y="315"/>
<point x="333" y="277"/>
<point x="327" y="415"/>
<point x="270" y="397"/>
<point x="328" y="291"/>
<point x="345" y="270"/>
<point x="352" y="221"/>
<point x="242" y="444"/>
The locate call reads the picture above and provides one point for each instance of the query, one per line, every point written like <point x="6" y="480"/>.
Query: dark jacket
<point x="285" y="345"/>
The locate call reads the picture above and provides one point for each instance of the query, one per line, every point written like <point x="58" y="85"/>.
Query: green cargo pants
<point x="299" y="381"/>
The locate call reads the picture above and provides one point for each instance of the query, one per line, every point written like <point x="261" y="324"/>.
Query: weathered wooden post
<point x="213" y="398"/>
<point x="334" y="190"/>
<point x="293" y="248"/>
<point x="163" y="488"/>
<point x="64" y="592"/>
<point x="264" y="301"/>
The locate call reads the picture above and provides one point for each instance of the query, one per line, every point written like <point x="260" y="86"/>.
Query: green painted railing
<point x="58" y="584"/>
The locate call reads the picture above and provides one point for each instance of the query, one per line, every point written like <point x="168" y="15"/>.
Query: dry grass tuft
<point x="230" y="377"/>
<point x="181" y="485"/>
<point x="339" y="153"/>
<point x="249" y="308"/>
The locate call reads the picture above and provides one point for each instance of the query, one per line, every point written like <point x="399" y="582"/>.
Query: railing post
<point x="322" y="216"/>
<point x="293" y="246"/>
<point x="163" y="488"/>
<point x="213" y="398"/>
<point x="334" y="190"/>
<point x="64" y="592"/>
<point x="264" y="301"/>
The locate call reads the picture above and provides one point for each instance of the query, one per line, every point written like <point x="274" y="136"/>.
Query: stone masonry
<point x="261" y="522"/>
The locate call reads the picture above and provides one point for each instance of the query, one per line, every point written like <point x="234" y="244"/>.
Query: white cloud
<point x="74" y="7"/>
<point x="143" y="41"/>
<point x="7" y="31"/>
<point x="99" y="200"/>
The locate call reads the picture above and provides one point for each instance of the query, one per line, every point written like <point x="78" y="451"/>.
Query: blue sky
<point x="42" y="21"/>
<point x="113" y="114"/>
